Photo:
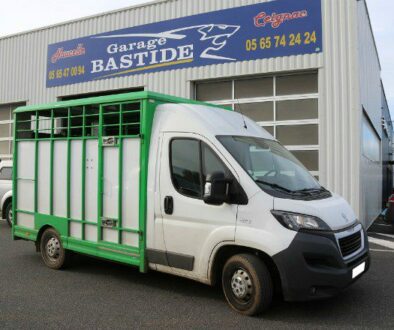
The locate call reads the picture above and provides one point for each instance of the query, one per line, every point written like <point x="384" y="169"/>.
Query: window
<point x="285" y="105"/>
<point x="297" y="109"/>
<point x="371" y="142"/>
<point x="291" y="135"/>
<point x="211" y="163"/>
<point x="214" y="91"/>
<point x="257" y="87"/>
<point x="189" y="170"/>
<point x="296" y="84"/>
<point x="185" y="167"/>
<point x="6" y="173"/>
<point x="261" y="111"/>
<point x="6" y="129"/>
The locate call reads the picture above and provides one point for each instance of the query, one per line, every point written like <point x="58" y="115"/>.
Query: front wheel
<point x="52" y="251"/>
<point x="8" y="214"/>
<point x="247" y="284"/>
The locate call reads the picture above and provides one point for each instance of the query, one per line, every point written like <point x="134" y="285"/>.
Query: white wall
<point x="371" y="101"/>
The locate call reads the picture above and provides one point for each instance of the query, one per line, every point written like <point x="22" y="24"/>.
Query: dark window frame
<point x="201" y="164"/>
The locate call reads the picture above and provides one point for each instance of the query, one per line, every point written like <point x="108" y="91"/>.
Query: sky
<point x="22" y="15"/>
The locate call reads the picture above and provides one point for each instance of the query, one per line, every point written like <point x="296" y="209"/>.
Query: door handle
<point x="168" y="205"/>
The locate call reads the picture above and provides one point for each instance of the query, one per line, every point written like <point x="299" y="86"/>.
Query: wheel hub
<point x="53" y="248"/>
<point x="241" y="284"/>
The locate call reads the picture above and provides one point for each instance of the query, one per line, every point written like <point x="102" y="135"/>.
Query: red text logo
<point x="61" y="53"/>
<point x="276" y="20"/>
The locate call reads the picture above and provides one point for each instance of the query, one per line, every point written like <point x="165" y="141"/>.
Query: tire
<point x="247" y="284"/>
<point x="8" y="214"/>
<point x="52" y="251"/>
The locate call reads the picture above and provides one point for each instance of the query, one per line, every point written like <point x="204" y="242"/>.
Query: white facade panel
<point x="131" y="183"/>
<point x="76" y="180"/>
<point x="60" y="178"/>
<point x="371" y="179"/>
<point x="111" y="182"/>
<point x="26" y="177"/>
<point x="339" y="109"/>
<point x="76" y="230"/>
<point x="44" y="176"/>
<point x="91" y="180"/>
<point x="26" y="220"/>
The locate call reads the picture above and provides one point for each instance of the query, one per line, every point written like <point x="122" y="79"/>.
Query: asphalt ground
<point x="95" y="294"/>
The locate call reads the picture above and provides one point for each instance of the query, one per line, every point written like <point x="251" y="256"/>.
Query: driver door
<point x="191" y="227"/>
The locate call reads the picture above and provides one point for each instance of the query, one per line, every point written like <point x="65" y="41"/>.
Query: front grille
<point x="350" y="244"/>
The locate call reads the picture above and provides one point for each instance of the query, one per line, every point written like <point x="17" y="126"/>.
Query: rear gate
<point x="119" y="177"/>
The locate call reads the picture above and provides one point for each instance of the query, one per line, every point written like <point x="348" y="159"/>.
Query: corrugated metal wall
<point x="371" y="103"/>
<point x="27" y="54"/>
<point x="339" y="103"/>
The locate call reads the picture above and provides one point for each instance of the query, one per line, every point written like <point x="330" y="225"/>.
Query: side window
<point x="6" y="173"/>
<point x="186" y="167"/>
<point x="211" y="163"/>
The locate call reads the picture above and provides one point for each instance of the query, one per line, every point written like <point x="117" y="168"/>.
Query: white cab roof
<point x="206" y="120"/>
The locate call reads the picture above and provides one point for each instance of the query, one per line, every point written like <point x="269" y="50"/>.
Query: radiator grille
<point x="350" y="244"/>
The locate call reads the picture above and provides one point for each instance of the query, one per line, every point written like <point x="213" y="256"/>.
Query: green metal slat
<point x="68" y="165"/>
<point x="144" y="155"/>
<point x="51" y="165"/>
<point x="14" y="177"/>
<point x="120" y="177"/>
<point x="83" y="171"/>
<point x="100" y="175"/>
<point x="36" y="165"/>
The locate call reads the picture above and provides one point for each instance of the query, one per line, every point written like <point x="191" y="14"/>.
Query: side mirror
<point x="216" y="188"/>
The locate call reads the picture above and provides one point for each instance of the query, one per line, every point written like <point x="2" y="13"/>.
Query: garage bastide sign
<point x="265" y="30"/>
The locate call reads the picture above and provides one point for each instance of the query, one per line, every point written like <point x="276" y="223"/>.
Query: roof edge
<point x="83" y="18"/>
<point x="133" y="96"/>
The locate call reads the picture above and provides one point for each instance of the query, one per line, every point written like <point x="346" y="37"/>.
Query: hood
<point x="334" y="211"/>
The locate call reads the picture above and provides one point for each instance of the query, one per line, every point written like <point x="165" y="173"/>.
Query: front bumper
<point x="312" y="267"/>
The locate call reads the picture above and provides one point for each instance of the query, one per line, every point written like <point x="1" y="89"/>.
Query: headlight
<point x="296" y="221"/>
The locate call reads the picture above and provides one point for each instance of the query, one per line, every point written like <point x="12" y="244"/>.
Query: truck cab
<point x="224" y="195"/>
<point x="6" y="190"/>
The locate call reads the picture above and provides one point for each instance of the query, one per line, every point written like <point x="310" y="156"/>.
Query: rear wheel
<point x="52" y="251"/>
<point x="8" y="214"/>
<point x="247" y="284"/>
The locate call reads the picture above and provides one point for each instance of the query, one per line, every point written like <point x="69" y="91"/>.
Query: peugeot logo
<point x="345" y="217"/>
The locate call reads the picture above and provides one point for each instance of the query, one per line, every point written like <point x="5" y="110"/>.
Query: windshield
<point x="270" y="165"/>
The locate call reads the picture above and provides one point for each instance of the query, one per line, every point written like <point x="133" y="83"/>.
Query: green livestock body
<point x="111" y="121"/>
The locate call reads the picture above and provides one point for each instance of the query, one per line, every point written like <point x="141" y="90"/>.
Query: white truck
<point x="6" y="190"/>
<point x="184" y="188"/>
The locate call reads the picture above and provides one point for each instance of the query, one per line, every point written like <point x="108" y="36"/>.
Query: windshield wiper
<point x="312" y="190"/>
<point x="274" y="185"/>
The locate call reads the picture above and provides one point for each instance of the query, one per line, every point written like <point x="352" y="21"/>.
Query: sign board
<point x="265" y="30"/>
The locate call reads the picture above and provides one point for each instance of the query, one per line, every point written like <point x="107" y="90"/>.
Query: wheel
<point x="52" y="251"/>
<point x="247" y="284"/>
<point x="8" y="214"/>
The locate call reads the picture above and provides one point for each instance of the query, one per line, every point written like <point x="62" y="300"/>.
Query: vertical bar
<point x="14" y="177"/>
<point x="145" y="131"/>
<point x="68" y="164"/>
<point x="36" y="165"/>
<point x="83" y="169"/>
<point x="100" y="175"/>
<point x="51" y="165"/>
<point x="120" y="174"/>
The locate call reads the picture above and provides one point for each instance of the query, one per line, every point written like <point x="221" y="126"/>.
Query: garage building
<point x="308" y="71"/>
